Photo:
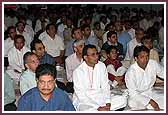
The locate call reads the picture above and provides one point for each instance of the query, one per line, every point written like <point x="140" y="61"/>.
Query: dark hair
<point x="146" y="37"/>
<point x="139" y="49"/>
<point x="96" y="23"/>
<point x="26" y="55"/>
<point x="110" y="48"/>
<point x="51" y="24"/>
<point x="101" y="18"/>
<point x="110" y="33"/>
<point x="34" y="42"/>
<point x="73" y="30"/>
<point x="19" y="36"/>
<point x="46" y="69"/>
<point x="85" y="49"/>
<point x="9" y="28"/>
<point x="85" y="26"/>
<point x="138" y="30"/>
<point x="19" y="23"/>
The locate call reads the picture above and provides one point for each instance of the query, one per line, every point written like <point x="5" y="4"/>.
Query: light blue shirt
<point x="27" y="81"/>
<point x="9" y="93"/>
<point x="124" y="38"/>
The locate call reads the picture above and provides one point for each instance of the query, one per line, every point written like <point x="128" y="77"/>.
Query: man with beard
<point x="140" y="79"/>
<point x="45" y="97"/>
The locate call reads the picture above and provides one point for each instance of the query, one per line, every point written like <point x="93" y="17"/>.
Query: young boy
<point x="114" y="67"/>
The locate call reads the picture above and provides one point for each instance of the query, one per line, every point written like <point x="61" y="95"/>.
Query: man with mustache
<point x="45" y="97"/>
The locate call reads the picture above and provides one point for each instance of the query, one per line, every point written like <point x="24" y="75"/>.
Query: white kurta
<point x="15" y="58"/>
<point x="53" y="46"/>
<point x="91" y="87"/>
<point x="29" y="30"/>
<point x="27" y="38"/>
<point x="119" y="72"/>
<point x="140" y="83"/>
<point x="8" y="43"/>
<point x="130" y="49"/>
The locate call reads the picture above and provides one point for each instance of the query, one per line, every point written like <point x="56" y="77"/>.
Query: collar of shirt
<point x="109" y="43"/>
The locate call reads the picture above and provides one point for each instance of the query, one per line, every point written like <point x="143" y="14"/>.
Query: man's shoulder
<point x="57" y="37"/>
<point x="27" y="75"/>
<point x="151" y="62"/>
<point x="7" y="40"/>
<point x="81" y="67"/>
<point x="11" y="50"/>
<point x="47" y="55"/>
<point x="30" y="94"/>
<point x="59" y="93"/>
<point x="70" y="57"/>
<point x="133" y="67"/>
<point x="101" y="64"/>
<point x="119" y="44"/>
<point x="132" y="41"/>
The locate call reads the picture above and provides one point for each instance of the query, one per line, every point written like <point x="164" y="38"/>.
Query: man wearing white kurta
<point x="20" y="29"/>
<point x="9" y="42"/>
<point x="54" y="44"/>
<point x="15" y="57"/>
<point x="140" y="79"/>
<point x="92" y="91"/>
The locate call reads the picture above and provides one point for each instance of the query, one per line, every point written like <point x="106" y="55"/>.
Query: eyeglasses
<point x="43" y="83"/>
<point x="93" y="54"/>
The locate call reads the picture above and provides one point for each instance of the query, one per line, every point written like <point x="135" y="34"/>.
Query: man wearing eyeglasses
<point x="45" y="97"/>
<point x="28" y="79"/>
<point x="91" y="88"/>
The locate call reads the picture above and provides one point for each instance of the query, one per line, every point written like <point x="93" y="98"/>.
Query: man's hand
<point x="59" y="60"/>
<point x="154" y="105"/>
<point x="119" y="79"/>
<point x="105" y="108"/>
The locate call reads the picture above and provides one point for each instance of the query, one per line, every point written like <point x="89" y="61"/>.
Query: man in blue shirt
<point x="38" y="48"/>
<point x="45" y="97"/>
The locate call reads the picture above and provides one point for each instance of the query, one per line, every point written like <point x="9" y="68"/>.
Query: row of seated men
<point x="88" y="83"/>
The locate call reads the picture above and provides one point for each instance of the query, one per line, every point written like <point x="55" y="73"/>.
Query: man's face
<point x="113" y="39"/>
<point x="139" y="35"/>
<point x="32" y="62"/>
<point x="39" y="49"/>
<point x="92" y="56"/>
<point x="19" y="43"/>
<point x="79" y="48"/>
<point x="69" y="22"/>
<point x="51" y="31"/>
<point x="46" y="84"/>
<point x="12" y="33"/>
<point x="77" y="34"/>
<point x="87" y="32"/>
<point x="148" y="43"/>
<point x="20" y="27"/>
<point x="142" y="59"/>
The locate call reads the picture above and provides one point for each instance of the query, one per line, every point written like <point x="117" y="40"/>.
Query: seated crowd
<point x="96" y="55"/>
